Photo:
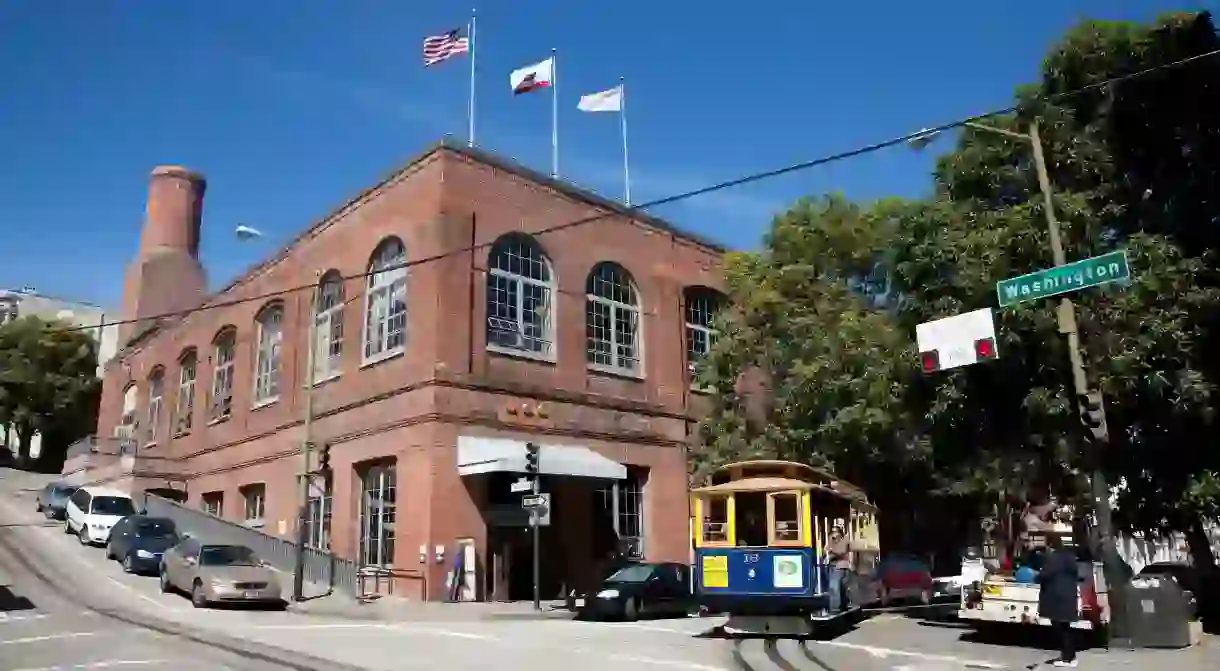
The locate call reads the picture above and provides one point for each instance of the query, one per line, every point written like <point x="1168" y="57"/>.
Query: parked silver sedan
<point x="212" y="574"/>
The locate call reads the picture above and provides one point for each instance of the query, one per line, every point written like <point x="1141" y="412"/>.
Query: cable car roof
<point x="756" y="485"/>
<point x="805" y="476"/>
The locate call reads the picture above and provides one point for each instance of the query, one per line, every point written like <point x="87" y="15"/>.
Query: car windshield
<point x="632" y="574"/>
<point x="227" y="555"/>
<point x="156" y="528"/>
<point x="113" y="505"/>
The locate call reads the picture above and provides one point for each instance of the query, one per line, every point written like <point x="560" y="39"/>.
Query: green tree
<point x="48" y="384"/>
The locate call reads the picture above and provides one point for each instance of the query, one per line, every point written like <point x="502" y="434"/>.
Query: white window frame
<point x="385" y="288"/>
<point x="328" y="328"/>
<point x="617" y="311"/>
<point x="224" y="354"/>
<point x="269" y="357"/>
<point x="541" y="347"/>
<point x="213" y="503"/>
<point x="318" y="513"/>
<point x="254" y="494"/>
<point x="709" y="333"/>
<point x="184" y="404"/>
<point x="156" y="398"/>
<point x="378" y="484"/>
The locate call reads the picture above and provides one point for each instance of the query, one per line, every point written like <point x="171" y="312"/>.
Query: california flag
<point x="606" y="101"/>
<point x="532" y="77"/>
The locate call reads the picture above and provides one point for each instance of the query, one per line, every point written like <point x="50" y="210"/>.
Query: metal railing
<point x="321" y="567"/>
<point x="380" y="576"/>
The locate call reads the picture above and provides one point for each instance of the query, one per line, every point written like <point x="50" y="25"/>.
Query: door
<point x="120" y="538"/>
<point x="78" y="507"/>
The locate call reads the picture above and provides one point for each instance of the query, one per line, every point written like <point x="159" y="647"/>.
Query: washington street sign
<point x="1064" y="279"/>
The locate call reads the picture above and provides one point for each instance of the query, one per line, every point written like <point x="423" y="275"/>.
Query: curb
<point x="259" y="651"/>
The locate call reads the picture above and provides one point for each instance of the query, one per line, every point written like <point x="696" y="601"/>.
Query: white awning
<point x="507" y="455"/>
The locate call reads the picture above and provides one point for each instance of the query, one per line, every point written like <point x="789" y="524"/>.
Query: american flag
<point x="440" y="47"/>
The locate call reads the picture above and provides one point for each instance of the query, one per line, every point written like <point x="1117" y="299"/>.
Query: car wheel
<point x="198" y="599"/>
<point x="631" y="610"/>
<point x="110" y="552"/>
<point x="166" y="587"/>
<point x="128" y="567"/>
<point x="83" y="535"/>
<point x="67" y="526"/>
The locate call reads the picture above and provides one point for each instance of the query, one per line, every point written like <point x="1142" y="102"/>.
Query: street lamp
<point x="1090" y="403"/>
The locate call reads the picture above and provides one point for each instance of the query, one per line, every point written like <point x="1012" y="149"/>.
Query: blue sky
<point x="290" y="107"/>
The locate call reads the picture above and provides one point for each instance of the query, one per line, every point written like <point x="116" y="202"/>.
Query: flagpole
<point x="622" y="83"/>
<point x="554" y="114"/>
<point x="470" y="109"/>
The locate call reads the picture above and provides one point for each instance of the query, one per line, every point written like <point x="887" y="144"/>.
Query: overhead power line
<point x="686" y="195"/>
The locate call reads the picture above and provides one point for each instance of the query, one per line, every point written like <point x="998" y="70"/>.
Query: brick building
<point x="428" y="377"/>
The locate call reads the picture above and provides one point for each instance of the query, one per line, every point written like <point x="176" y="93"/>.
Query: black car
<point x="53" y="500"/>
<point x="138" y="541"/>
<point x="642" y="589"/>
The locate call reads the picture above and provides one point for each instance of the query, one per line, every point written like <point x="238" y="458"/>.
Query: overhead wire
<point x="686" y="195"/>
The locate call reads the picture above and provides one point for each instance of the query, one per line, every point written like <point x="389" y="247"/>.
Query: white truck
<point x="997" y="597"/>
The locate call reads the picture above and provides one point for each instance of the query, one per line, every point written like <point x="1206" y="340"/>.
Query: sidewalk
<point x="392" y="609"/>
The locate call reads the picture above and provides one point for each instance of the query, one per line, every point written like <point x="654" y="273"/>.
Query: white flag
<point x="606" y="101"/>
<point x="532" y="77"/>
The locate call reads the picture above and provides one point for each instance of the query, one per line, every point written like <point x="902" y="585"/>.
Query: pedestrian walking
<point x="838" y="556"/>
<point x="1058" y="597"/>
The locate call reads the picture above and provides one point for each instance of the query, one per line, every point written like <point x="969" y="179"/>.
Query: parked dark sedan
<point x="53" y="500"/>
<point x="642" y="589"/>
<point x="139" y="541"/>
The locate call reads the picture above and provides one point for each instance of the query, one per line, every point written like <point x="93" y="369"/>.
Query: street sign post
<point x="1064" y="279"/>
<point x="960" y="340"/>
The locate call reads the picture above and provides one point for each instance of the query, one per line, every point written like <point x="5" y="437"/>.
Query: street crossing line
<point x="48" y="637"/>
<point x="6" y="618"/>
<point x="107" y="664"/>
<point x="886" y="652"/>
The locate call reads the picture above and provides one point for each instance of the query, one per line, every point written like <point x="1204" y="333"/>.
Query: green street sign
<point x="1063" y="279"/>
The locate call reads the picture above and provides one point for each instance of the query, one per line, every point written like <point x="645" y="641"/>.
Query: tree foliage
<point x="825" y="314"/>
<point x="48" y="382"/>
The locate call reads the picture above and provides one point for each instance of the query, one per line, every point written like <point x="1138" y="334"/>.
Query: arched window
<point x="156" y="398"/>
<point x="519" y="297"/>
<point x="385" y="317"/>
<point x="223" y="351"/>
<point x="328" y="321"/>
<point x="702" y="304"/>
<point x="612" y="320"/>
<point x="267" y="358"/>
<point x="184" y="405"/>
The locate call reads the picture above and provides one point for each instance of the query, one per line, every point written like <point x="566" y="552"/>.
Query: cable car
<point x="760" y="531"/>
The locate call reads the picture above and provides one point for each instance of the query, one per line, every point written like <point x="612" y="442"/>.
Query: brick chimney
<point x="166" y="275"/>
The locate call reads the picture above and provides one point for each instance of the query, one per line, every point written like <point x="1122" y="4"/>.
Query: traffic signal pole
<point x="531" y="466"/>
<point x="1092" y="414"/>
<point x="298" y="573"/>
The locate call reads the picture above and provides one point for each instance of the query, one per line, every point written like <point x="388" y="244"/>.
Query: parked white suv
<point x="92" y="511"/>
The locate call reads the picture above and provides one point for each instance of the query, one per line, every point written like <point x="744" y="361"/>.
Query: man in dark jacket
<point x="1058" y="596"/>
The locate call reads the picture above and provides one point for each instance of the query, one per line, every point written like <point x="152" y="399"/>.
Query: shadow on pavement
<point x="10" y="601"/>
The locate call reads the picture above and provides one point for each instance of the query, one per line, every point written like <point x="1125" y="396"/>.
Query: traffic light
<point x="324" y="458"/>
<point x="930" y="361"/>
<point x="984" y="348"/>
<point x="531" y="459"/>
<point x="1093" y="414"/>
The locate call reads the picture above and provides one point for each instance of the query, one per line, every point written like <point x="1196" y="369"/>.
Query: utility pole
<point x="1092" y="413"/>
<point x="532" y="468"/>
<point x="298" y="574"/>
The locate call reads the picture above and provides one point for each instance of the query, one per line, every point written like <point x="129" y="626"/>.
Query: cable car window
<point x="716" y="519"/>
<point x="751" y="519"/>
<point x="786" y="517"/>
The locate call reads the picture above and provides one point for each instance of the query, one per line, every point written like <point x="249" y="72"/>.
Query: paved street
<point x="426" y="639"/>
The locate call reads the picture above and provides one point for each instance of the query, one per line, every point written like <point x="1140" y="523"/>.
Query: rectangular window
<point x="785" y="515"/>
<point x="255" y="498"/>
<point x="184" y="408"/>
<point x="222" y="378"/>
<point x="156" y="390"/>
<point x="317" y="522"/>
<point x="213" y="503"/>
<point x="378" y="511"/>
<point x="267" y="369"/>
<point x="328" y="328"/>
<point x="630" y="508"/>
<point x="715" y="520"/>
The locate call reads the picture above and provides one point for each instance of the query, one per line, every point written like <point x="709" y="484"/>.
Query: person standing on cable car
<point x="838" y="559"/>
